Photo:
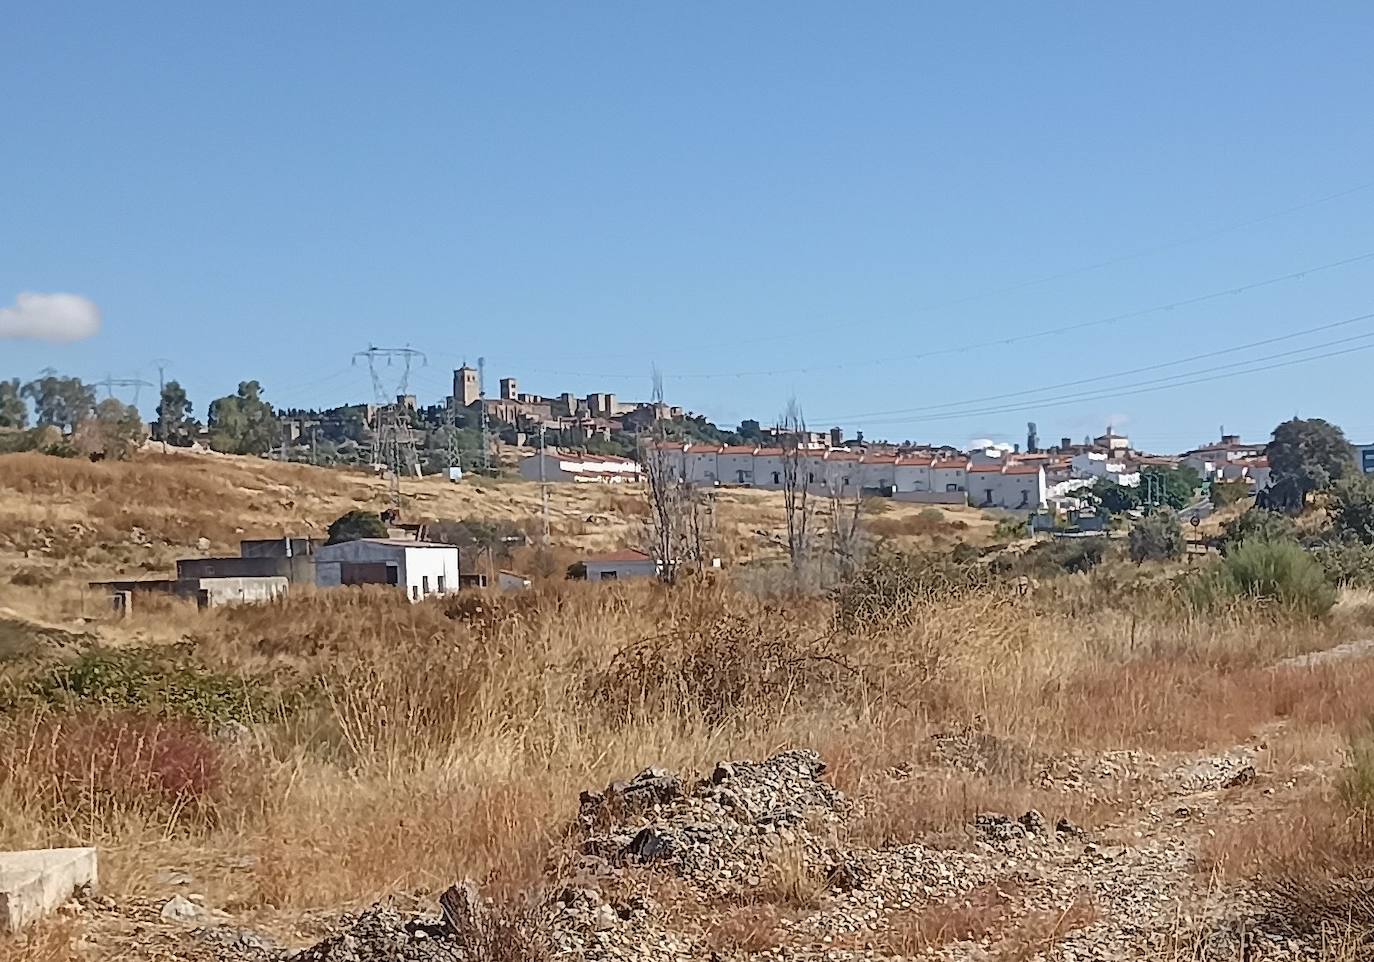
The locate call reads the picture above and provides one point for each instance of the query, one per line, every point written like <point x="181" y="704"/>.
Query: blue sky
<point x="764" y="200"/>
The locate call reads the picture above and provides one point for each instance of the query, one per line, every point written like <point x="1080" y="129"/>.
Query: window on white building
<point x="439" y="584"/>
<point x="424" y="584"/>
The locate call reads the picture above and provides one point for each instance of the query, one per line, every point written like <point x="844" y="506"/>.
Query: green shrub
<point x="1045" y="559"/>
<point x="164" y="682"/>
<point x="1157" y="537"/>
<point x="1278" y="573"/>
<point x="1224" y="493"/>
<point x="1349" y="564"/>
<point x="1351" y="507"/>
<point x="1257" y="524"/>
<point x="1009" y="528"/>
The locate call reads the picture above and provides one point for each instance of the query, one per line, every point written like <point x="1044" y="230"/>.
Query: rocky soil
<point x="754" y="860"/>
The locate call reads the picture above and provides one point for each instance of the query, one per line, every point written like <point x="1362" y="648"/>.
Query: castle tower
<point x="466" y="386"/>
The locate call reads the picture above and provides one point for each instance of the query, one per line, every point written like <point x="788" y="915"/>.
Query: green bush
<point x="356" y="525"/>
<point x="1045" y="559"/>
<point x="1352" y="509"/>
<point x="891" y="586"/>
<point x="1010" y="528"/>
<point x="1157" y="537"/>
<point x="1347" y="563"/>
<point x="164" y="682"/>
<point x="1257" y="524"/>
<point x="1224" y="493"/>
<point x="1278" y="573"/>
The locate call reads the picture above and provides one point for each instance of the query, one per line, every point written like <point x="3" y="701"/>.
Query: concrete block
<point x="34" y="883"/>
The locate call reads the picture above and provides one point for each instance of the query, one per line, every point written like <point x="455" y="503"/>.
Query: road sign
<point x="1195" y="521"/>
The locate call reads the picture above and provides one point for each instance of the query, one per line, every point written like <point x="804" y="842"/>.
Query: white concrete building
<point x="949" y="475"/>
<point x="700" y="466"/>
<point x="1015" y="487"/>
<point x="879" y="471"/>
<point x="735" y="464"/>
<point x="912" y="473"/>
<point x="420" y="568"/>
<point x="768" y="471"/>
<point x="621" y="566"/>
<point x="579" y="467"/>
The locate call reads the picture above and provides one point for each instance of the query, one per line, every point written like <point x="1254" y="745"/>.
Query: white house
<point x="951" y="475"/>
<point x="879" y="471"/>
<point x="1016" y="487"/>
<point x="620" y="566"/>
<point x="735" y="464"/>
<point x="574" y="466"/>
<point x="768" y="471"/>
<point x="700" y="464"/>
<point x="421" y="568"/>
<point x="912" y="473"/>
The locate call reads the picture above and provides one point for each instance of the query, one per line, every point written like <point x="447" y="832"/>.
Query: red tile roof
<point x="738" y="449"/>
<point x="986" y="469"/>
<point x="916" y="460"/>
<point x="703" y="448"/>
<point x="611" y="557"/>
<point x="1023" y="469"/>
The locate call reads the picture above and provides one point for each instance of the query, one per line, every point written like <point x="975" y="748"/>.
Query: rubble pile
<point x="666" y="863"/>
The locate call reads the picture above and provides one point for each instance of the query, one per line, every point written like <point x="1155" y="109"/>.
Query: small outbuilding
<point x="421" y="568"/>
<point x="621" y="565"/>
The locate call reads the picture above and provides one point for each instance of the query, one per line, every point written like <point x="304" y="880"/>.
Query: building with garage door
<point x="421" y="568"/>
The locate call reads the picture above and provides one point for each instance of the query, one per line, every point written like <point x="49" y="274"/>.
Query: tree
<point x="1116" y="498"/>
<point x="14" y="410"/>
<point x="1257" y="524"/>
<point x="1306" y="456"/>
<point x="680" y="517"/>
<point x="62" y="402"/>
<point x="1174" y="487"/>
<point x="173" y="413"/>
<point x="114" y="432"/>
<point x="795" y="484"/>
<point x="1352" y="508"/>
<point x="243" y="423"/>
<point x="1157" y="537"/>
<point x="356" y="525"/>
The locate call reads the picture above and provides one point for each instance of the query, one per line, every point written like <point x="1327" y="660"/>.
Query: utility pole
<point x="161" y="363"/>
<point x="482" y="408"/>
<point x="543" y="483"/>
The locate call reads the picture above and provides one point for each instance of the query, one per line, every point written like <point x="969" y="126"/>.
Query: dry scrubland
<point x="315" y="755"/>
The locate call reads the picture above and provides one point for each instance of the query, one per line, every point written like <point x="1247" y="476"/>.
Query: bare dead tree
<point x="846" y="513"/>
<point x="796" y="485"/>
<point x="681" y="518"/>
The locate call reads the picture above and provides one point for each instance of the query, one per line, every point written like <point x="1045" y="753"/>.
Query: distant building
<point x="1364" y="457"/>
<point x="1015" y="487"/>
<point x="559" y="466"/>
<point x="420" y="568"/>
<point x="621" y="566"/>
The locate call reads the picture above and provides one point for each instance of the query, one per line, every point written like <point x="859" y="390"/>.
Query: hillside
<point x="64" y="522"/>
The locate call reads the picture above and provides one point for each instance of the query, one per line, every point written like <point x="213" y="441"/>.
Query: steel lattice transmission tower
<point x="393" y="441"/>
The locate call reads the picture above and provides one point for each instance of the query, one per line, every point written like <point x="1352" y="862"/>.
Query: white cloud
<point x="988" y="444"/>
<point x="50" y="317"/>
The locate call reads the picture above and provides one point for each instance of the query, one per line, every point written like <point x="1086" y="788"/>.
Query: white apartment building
<point x="1015" y="487"/>
<point x="558" y="465"/>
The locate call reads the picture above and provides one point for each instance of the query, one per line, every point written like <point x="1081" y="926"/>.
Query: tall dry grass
<point x="418" y="743"/>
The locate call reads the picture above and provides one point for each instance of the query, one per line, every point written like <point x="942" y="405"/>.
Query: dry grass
<point x="464" y="728"/>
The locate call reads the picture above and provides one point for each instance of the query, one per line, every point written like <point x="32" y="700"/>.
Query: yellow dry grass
<point x="414" y="744"/>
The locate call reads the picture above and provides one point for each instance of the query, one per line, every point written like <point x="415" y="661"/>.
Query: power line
<point x="1129" y="390"/>
<point x="1119" y="374"/>
<point x="995" y="342"/>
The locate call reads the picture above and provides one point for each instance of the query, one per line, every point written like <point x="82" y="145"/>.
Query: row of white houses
<point x="846" y="473"/>
<point x="910" y="477"/>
